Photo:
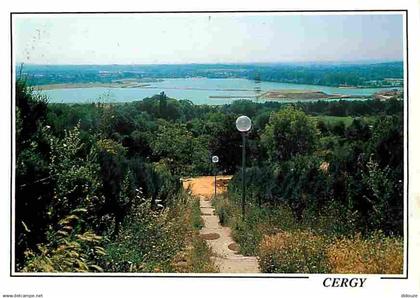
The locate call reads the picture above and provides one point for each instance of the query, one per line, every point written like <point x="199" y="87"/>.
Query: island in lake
<point x="303" y="94"/>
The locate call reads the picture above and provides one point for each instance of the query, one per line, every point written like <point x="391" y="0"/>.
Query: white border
<point x="227" y="275"/>
<point x="186" y="287"/>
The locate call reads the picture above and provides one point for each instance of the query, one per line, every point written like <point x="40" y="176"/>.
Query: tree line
<point x="333" y="74"/>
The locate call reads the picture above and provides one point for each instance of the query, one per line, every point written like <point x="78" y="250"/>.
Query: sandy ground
<point x="204" y="185"/>
<point x="227" y="260"/>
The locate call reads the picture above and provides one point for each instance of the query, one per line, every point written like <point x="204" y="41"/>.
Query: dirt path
<point x="219" y="238"/>
<point x="204" y="185"/>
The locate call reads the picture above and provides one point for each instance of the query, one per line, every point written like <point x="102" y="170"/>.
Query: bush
<point x="293" y="252"/>
<point x="147" y="242"/>
<point x="289" y="132"/>
<point x="249" y="232"/>
<point x="260" y="184"/>
<point x="160" y="241"/>
<point x="74" y="169"/>
<point x="69" y="249"/>
<point x="224" y="209"/>
<point x="196" y="258"/>
<point x="377" y="254"/>
<point x="196" y="220"/>
<point x="246" y="232"/>
<point x="196" y="255"/>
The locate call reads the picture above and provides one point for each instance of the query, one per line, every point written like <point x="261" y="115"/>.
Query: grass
<point x="347" y="120"/>
<point x="196" y="220"/>
<point x="293" y="252"/>
<point x="196" y="257"/>
<point x="165" y="241"/>
<point x="375" y="254"/>
<point x="321" y="243"/>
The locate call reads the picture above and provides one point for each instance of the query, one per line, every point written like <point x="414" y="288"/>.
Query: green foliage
<point x="200" y="259"/>
<point x="178" y="147"/>
<point x="225" y="209"/>
<point x="197" y="221"/>
<point x="260" y="184"/>
<point x="288" y="133"/>
<point x="168" y="185"/>
<point x="149" y="241"/>
<point x="335" y="170"/>
<point x="387" y="143"/>
<point x="380" y="191"/>
<point x="68" y="250"/>
<point x="75" y="175"/>
<point x="31" y="111"/>
<point x="322" y="243"/>
<point x="368" y="75"/>
<point x="248" y="231"/>
<point x="331" y="120"/>
<point x="33" y="183"/>
<point x="225" y="141"/>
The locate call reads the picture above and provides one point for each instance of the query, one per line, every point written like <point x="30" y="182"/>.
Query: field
<point x="347" y="120"/>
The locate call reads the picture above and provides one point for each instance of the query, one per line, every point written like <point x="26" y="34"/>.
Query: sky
<point x="206" y="38"/>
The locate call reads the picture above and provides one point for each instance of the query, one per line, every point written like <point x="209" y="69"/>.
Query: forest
<point x="99" y="186"/>
<point x="327" y="74"/>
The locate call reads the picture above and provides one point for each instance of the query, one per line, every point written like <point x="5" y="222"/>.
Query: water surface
<point x="198" y="90"/>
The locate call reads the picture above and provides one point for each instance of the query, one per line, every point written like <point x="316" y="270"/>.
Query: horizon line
<point x="370" y="61"/>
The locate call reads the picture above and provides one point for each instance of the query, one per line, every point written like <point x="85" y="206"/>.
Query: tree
<point x="289" y="132"/>
<point x="225" y="143"/>
<point x="178" y="147"/>
<point x="33" y="182"/>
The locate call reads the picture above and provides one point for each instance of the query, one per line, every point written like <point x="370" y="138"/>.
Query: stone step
<point x="227" y="260"/>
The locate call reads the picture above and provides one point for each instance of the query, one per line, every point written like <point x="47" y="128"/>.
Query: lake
<point x="198" y="90"/>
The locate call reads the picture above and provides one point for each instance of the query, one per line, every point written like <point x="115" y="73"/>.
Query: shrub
<point x="147" y="242"/>
<point x="260" y="184"/>
<point x="196" y="258"/>
<point x="196" y="220"/>
<point x="332" y="220"/>
<point x="196" y="255"/>
<point x="74" y="169"/>
<point x="289" y="132"/>
<point x="224" y="209"/>
<point x="69" y="249"/>
<point x="247" y="233"/>
<point x="160" y="241"/>
<point x="248" y="237"/>
<point x="293" y="252"/>
<point x="376" y="254"/>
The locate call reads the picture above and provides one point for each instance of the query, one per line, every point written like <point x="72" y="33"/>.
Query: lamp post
<point x="243" y="125"/>
<point x="215" y="160"/>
